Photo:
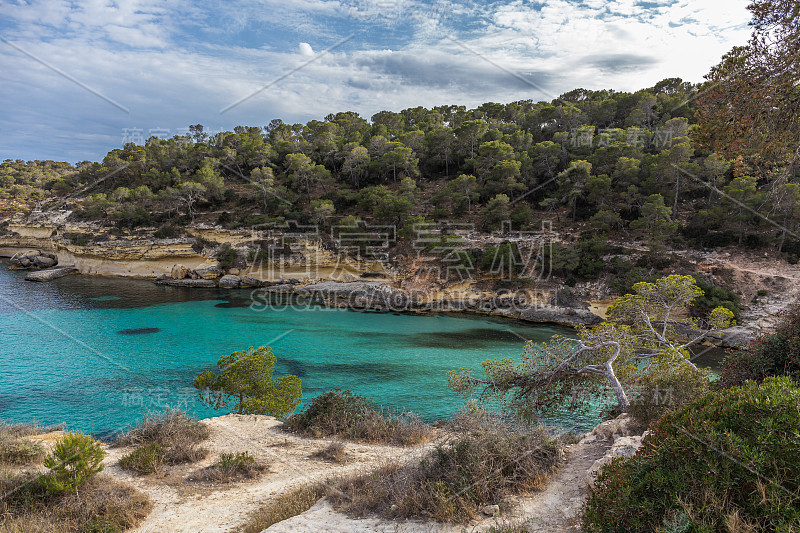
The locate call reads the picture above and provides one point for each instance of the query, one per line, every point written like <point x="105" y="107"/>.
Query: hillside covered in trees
<point x="598" y="164"/>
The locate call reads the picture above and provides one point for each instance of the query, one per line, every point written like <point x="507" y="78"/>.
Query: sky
<point x="81" y="77"/>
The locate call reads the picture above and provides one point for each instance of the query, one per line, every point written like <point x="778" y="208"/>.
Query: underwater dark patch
<point x="473" y="337"/>
<point x="138" y="331"/>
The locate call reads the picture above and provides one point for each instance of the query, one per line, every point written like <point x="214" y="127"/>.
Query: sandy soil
<point x="181" y="505"/>
<point x="556" y="509"/>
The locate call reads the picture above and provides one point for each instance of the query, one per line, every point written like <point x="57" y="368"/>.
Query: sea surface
<point x="97" y="353"/>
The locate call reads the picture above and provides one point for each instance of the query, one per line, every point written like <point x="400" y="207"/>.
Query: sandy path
<point x="554" y="510"/>
<point x="180" y="505"/>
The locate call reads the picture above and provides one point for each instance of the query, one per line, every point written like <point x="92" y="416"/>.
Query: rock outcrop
<point x="188" y="282"/>
<point x="32" y="259"/>
<point x="622" y="447"/>
<point x="230" y="281"/>
<point x="50" y="274"/>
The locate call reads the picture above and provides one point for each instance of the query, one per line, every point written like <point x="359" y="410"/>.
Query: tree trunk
<point x="622" y="398"/>
<point x="677" y="192"/>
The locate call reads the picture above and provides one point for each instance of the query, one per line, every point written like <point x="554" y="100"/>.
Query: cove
<point x="63" y="359"/>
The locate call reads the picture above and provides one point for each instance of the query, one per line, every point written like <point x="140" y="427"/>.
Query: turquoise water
<point x="96" y="353"/>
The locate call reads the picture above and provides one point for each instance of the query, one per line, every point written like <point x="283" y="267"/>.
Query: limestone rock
<point x="204" y="283"/>
<point x="491" y="510"/>
<point x="283" y="287"/>
<point x="41" y="261"/>
<point x="179" y="272"/>
<point x="50" y="274"/>
<point x="567" y="316"/>
<point x="612" y="429"/>
<point x="250" y="282"/>
<point x="32" y="259"/>
<point x="230" y="282"/>
<point x="209" y="272"/>
<point x="622" y="447"/>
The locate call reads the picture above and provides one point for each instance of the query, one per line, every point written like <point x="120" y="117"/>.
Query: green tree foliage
<point x="643" y="329"/>
<point x="244" y="384"/>
<point x="75" y="459"/>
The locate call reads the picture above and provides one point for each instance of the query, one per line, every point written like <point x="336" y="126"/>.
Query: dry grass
<point x="161" y="439"/>
<point x="283" y="507"/>
<point x="101" y="505"/>
<point x="17" y="450"/>
<point x="481" y="466"/>
<point x="349" y="416"/>
<point x="231" y="467"/>
<point x="333" y="453"/>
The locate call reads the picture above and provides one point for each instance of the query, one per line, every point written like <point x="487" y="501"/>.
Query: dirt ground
<point x="183" y="505"/>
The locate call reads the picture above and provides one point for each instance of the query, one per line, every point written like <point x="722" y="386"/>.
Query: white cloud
<point x="140" y="54"/>
<point x="305" y="49"/>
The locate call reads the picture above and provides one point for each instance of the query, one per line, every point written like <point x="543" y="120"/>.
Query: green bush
<point x="227" y="256"/>
<point x="772" y="354"/>
<point x="167" y="231"/>
<point x="354" y="417"/>
<point x="730" y="458"/>
<point x="145" y="459"/>
<point x="75" y="458"/>
<point x="714" y="296"/>
<point x="665" y="386"/>
<point x="169" y="437"/>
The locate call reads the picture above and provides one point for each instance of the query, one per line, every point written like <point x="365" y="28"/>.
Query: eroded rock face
<point x="179" y="272"/>
<point x="622" y="447"/>
<point x="230" y="281"/>
<point x="32" y="259"/>
<point x="50" y="274"/>
<point x="209" y="272"/>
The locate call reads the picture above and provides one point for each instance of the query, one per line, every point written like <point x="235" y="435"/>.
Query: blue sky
<point x="79" y="77"/>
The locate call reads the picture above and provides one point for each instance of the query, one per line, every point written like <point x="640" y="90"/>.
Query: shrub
<point x="354" y="417"/>
<point x="334" y="453"/>
<point x="169" y="437"/>
<point x="485" y="464"/>
<point x="18" y="451"/>
<point x="772" y="354"/>
<point x="145" y="459"/>
<point x="283" y="507"/>
<point x="730" y="457"/>
<point x="227" y="256"/>
<point x="665" y="386"/>
<point x="102" y="506"/>
<point x="167" y="231"/>
<point x="170" y="428"/>
<point x="714" y="296"/>
<point x="75" y="458"/>
<point x="232" y="467"/>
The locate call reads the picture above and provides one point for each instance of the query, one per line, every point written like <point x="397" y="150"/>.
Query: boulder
<point x="613" y="429"/>
<point x="41" y="261"/>
<point x="566" y="316"/>
<point x="230" y="282"/>
<point x="179" y="272"/>
<point x="50" y="274"/>
<point x="209" y="272"/>
<point x="202" y="283"/>
<point x="283" y="287"/>
<point x="32" y="259"/>
<point x="250" y="282"/>
<point x="622" y="447"/>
